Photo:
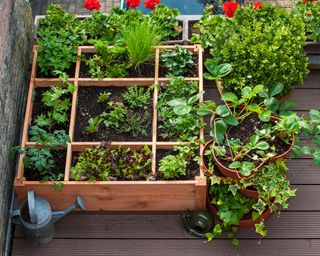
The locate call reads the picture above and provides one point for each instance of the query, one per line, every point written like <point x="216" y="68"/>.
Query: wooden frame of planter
<point x="115" y="195"/>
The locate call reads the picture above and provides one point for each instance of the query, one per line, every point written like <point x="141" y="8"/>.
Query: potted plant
<point x="309" y="11"/>
<point x="263" y="44"/>
<point x="246" y="135"/>
<point x="235" y="206"/>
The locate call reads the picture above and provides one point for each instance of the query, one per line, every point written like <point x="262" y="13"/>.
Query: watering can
<point x="37" y="220"/>
<point x="197" y="223"/>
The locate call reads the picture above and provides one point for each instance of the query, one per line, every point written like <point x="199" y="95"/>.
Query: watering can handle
<point x="32" y="207"/>
<point x="16" y="213"/>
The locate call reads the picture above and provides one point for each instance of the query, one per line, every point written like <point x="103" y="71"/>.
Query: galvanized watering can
<point x="37" y="220"/>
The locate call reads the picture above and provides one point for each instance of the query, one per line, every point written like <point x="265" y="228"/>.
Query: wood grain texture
<point x="168" y="247"/>
<point x="291" y="225"/>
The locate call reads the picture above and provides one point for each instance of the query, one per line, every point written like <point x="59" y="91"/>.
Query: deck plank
<point x="168" y="247"/>
<point x="291" y="225"/>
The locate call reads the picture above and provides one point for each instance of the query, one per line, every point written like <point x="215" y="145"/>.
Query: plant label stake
<point x="37" y="220"/>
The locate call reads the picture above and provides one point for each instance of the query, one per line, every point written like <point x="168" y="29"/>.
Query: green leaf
<point x="209" y="236"/>
<point x="260" y="229"/>
<point x="176" y="102"/>
<point x="231" y="97"/>
<point x="245" y="91"/>
<point x="215" y="180"/>
<point x="254" y="139"/>
<point x="217" y="230"/>
<point x="276" y="89"/>
<point x="231" y="120"/>
<point x="204" y="110"/>
<point x="182" y="110"/>
<point x="255" y="215"/>
<point x="224" y="69"/>
<point x="223" y="110"/>
<point x="259" y="206"/>
<point x="208" y="76"/>
<point x="221" y="129"/>
<point x="235" y="242"/>
<point x="262" y="145"/>
<point x="235" y="165"/>
<point x="233" y="189"/>
<point x="271" y="103"/>
<point x="195" y="98"/>
<point x="265" y="115"/>
<point x="307" y="150"/>
<point x="314" y="114"/>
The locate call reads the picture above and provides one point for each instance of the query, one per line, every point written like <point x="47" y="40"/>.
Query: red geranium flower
<point x="257" y="5"/>
<point x="132" y="3"/>
<point x="229" y="8"/>
<point x="151" y="4"/>
<point x="92" y="4"/>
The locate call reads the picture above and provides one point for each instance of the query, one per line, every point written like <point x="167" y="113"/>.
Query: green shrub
<point x="264" y="46"/>
<point x="310" y="13"/>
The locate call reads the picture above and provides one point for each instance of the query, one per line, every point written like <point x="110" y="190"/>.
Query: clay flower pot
<point x="246" y="221"/>
<point x="205" y="166"/>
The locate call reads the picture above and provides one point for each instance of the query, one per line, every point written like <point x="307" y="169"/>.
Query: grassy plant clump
<point x="141" y="39"/>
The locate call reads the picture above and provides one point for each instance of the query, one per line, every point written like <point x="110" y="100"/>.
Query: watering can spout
<point x="79" y="203"/>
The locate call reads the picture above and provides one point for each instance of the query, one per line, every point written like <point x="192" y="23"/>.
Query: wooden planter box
<point x="115" y="195"/>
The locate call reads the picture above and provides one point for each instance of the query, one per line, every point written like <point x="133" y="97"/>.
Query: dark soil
<point x="192" y="72"/>
<point x="40" y="108"/>
<point x="192" y="168"/>
<point x="191" y="29"/>
<point x="146" y="70"/>
<point x="71" y="72"/>
<point x="59" y="157"/>
<point x="245" y="130"/>
<point x="88" y="107"/>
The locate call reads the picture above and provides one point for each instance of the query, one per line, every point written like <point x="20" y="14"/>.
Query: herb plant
<point x="178" y="61"/>
<point x="141" y="39"/>
<point x="174" y="166"/>
<point x="115" y="116"/>
<point x="137" y="96"/>
<point x="57" y="100"/>
<point x="58" y="36"/>
<point x="177" y="110"/>
<point x="102" y="163"/>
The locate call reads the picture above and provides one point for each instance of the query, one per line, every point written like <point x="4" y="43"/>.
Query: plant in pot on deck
<point x="234" y="208"/>
<point x="263" y="46"/>
<point x="245" y="134"/>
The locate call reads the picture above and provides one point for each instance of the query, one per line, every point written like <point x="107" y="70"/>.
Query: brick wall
<point x="16" y="35"/>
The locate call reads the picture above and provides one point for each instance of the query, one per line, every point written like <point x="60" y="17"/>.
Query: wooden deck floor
<point x="295" y="232"/>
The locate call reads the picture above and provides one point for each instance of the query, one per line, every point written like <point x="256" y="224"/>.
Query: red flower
<point x="92" y="4"/>
<point x="132" y="3"/>
<point x="151" y="4"/>
<point x="229" y="8"/>
<point x="257" y="5"/>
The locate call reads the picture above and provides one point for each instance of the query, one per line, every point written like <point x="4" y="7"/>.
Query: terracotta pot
<point x="206" y="167"/>
<point x="245" y="222"/>
<point x="235" y="174"/>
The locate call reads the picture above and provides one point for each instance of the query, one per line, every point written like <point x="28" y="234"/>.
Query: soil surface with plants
<point x="192" y="168"/>
<point x="146" y="70"/>
<point x="59" y="158"/>
<point x="88" y="107"/>
<point x="243" y="132"/>
<point x="40" y="108"/>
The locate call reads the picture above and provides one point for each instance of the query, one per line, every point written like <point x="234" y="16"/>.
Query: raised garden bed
<point x="153" y="195"/>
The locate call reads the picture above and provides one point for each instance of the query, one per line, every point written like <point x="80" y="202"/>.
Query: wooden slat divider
<point x="28" y="114"/>
<point x="155" y="113"/>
